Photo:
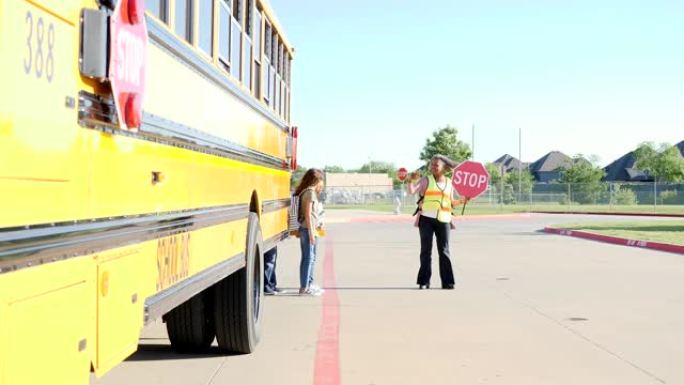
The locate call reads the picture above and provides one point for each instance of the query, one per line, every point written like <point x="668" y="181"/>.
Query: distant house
<point x="510" y="163"/>
<point x="623" y="170"/>
<point x="362" y="182"/>
<point x="680" y="146"/>
<point x="548" y="168"/>
<point x="356" y="188"/>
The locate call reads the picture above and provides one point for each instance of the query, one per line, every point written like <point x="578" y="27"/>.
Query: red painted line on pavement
<point x="327" y="365"/>
<point x="617" y="240"/>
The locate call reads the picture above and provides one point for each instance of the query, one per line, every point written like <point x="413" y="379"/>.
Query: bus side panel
<point x="48" y="320"/>
<point x="199" y="103"/>
<point x="39" y="139"/>
<point x="216" y="244"/>
<point x="125" y="278"/>
<point x="274" y="223"/>
<point x="122" y="178"/>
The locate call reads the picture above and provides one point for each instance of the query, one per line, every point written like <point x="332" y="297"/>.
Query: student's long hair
<point x="310" y="179"/>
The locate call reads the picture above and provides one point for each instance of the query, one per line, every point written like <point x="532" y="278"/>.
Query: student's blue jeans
<point x="270" y="281"/>
<point x="306" y="265"/>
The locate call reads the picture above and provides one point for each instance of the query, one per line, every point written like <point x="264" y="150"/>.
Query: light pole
<point x="519" y="164"/>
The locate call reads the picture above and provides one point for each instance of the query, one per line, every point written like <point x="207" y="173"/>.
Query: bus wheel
<point x="191" y="326"/>
<point x="238" y="298"/>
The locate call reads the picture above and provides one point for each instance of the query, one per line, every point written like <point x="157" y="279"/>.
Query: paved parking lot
<point x="529" y="308"/>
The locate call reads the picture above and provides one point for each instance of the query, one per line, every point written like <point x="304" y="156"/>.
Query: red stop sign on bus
<point x="402" y="174"/>
<point x="127" y="61"/>
<point x="470" y="179"/>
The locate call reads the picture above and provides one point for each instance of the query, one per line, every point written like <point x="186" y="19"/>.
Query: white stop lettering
<point x="130" y="57"/>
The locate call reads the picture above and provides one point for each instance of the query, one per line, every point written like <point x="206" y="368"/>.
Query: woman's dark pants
<point x="427" y="227"/>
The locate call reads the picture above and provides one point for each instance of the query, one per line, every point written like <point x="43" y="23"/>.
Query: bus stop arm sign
<point x="128" y="59"/>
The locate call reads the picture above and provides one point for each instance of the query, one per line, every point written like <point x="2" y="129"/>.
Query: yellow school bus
<point x="107" y="224"/>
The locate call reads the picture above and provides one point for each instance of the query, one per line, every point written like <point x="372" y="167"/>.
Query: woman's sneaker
<point x="309" y="292"/>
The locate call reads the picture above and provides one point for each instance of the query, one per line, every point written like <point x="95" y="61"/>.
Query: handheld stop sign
<point x="402" y="174"/>
<point x="470" y="179"/>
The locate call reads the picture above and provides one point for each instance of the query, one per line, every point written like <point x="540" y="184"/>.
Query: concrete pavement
<point x="529" y="308"/>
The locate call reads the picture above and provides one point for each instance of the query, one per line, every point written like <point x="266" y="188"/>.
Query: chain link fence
<point x="604" y="196"/>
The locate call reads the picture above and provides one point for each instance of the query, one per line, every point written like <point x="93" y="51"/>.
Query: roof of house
<point x="552" y="161"/>
<point x="636" y="175"/>
<point x="510" y="163"/>
<point x="623" y="169"/>
<point x="617" y="170"/>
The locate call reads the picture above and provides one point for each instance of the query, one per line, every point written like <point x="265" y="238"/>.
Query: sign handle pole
<point x="463" y="209"/>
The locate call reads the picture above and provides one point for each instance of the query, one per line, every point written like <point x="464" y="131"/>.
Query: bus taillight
<point x="295" y="135"/>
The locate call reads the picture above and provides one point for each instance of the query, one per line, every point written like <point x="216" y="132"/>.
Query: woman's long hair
<point x="310" y="179"/>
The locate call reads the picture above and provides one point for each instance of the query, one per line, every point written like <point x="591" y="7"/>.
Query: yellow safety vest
<point x="438" y="200"/>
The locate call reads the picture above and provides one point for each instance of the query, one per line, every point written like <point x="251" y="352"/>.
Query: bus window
<point x="274" y="65"/>
<point x="206" y="25"/>
<point x="281" y="79"/>
<point x="158" y="9"/>
<point x="224" y="32"/>
<point x="257" y="55"/>
<point x="257" y="36"/>
<point x="247" y="44"/>
<point x="286" y="69"/>
<point x="247" y="57"/>
<point x="183" y="19"/>
<point x="236" y="40"/>
<point x="287" y="106"/>
<point x="249" y="15"/>
<point x="267" y="62"/>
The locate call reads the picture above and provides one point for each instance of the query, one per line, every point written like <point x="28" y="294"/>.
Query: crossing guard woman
<point x="435" y="207"/>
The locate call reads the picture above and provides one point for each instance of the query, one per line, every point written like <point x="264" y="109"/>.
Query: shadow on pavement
<point x="163" y="352"/>
<point x="295" y="292"/>
<point x="414" y="287"/>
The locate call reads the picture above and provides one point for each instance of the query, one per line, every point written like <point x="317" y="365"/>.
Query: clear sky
<point x="373" y="78"/>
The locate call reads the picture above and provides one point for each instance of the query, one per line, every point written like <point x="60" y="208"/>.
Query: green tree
<point x="445" y="141"/>
<point x="584" y="179"/>
<point x="494" y="173"/>
<point x="376" y="166"/>
<point x="665" y="163"/>
<point x="333" y="169"/>
<point x="297" y="176"/>
<point x="520" y="180"/>
<point x="495" y="180"/>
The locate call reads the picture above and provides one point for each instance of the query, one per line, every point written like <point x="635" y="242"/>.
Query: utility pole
<point x="519" y="163"/>
<point x="472" y="152"/>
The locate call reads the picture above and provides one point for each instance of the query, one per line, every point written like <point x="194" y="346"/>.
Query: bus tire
<point x="238" y="299"/>
<point x="191" y="325"/>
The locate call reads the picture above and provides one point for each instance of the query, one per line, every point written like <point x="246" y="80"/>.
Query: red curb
<point x="668" y="247"/>
<point x="327" y="364"/>
<point x="623" y="214"/>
